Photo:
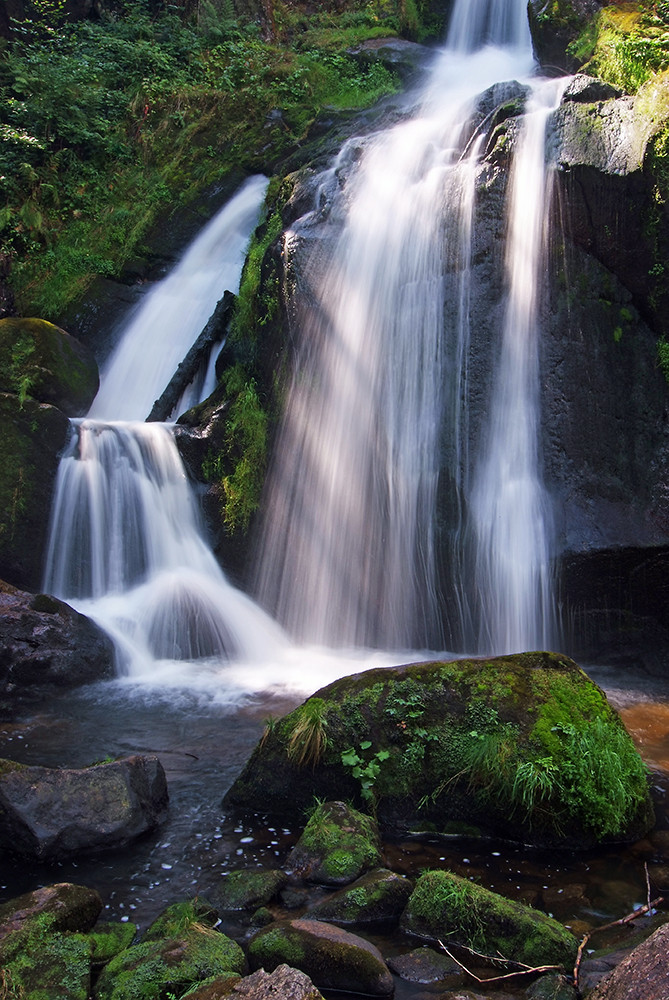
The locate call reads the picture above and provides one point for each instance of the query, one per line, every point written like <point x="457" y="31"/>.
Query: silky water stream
<point x="200" y="664"/>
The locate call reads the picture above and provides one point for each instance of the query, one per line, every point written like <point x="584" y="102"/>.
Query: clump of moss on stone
<point x="337" y="845"/>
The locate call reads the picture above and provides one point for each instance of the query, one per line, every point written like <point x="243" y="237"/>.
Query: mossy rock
<point x="60" y="907"/>
<point x="379" y="897"/>
<point x="555" y="26"/>
<point x="336" y="846"/>
<point x="110" y="939"/>
<point x="247" y="890"/>
<point x="178" y="917"/>
<point x="32" y="436"/>
<point x="40" y="360"/>
<point x="331" y="957"/>
<point x="283" y="983"/>
<point x="444" y="906"/>
<point x="157" y="969"/>
<point x="525" y="747"/>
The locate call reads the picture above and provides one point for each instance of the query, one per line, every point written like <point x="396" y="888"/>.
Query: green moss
<point x="179" y="917"/>
<point x="108" y="940"/>
<point x="46" y="963"/>
<point x="337" y="844"/>
<point x="624" y="45"/>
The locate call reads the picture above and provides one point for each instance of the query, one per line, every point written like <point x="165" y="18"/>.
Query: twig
<point x="650" y="905"/>
<point x="645" y="865"/>
<point x="526" y="971"/>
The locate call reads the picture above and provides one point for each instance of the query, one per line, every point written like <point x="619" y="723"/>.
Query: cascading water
<point x="125" y="543"/>
<point x="348" y="550"/>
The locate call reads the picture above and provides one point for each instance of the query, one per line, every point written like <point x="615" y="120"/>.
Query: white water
<point x="348" y="551"/>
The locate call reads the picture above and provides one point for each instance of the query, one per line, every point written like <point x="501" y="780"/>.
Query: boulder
<point x="49" y="813"/>
<point x="642" y="975"/>
<point x="554" y="26"/>
<point x="61" y="907"/>
<point x="446" y="907"/>
<point x="32" y="436"/>
<point x="247" y="890"/>
<point x="44" y="643"/>
<point x="336" y="846"/>
<point x="283" y="983"/>
<point x="423" y="965"/>
<point x="331" y="957"/>
<point x="40" y="360"/>
<point x="522" y="746"/>
<point x="379" y="897"/>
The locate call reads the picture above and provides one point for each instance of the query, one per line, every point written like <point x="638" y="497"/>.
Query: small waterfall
<point x="126" y="545"/>
<point x="348" y="549"/>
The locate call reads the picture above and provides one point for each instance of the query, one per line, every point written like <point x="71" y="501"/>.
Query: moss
<point x="337" y="845"/>
<point x="247" y="890"/>
<point x="109" y="939"/>
<point x="276" y="946"/>
<point x="46" y="963"/>
<point x="179" y="917"/>
<point x="443" y="905"/>
<point x="623" y="45"/>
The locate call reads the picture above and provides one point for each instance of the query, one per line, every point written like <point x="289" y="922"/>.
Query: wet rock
<point x="44" y="643"/>
<point x="247" y="890"/>
<point x="48" y="813"/>
<point x="445" y="905"/>
<point x="337" y="845"/>
<point x="589" y="90"/>
<point x="552" y="987"/>
<point x="377" y="898"/>
<point x="405" y="58"/>
<point x="32" y="436"/>
<point x="555" y="25"/>
<point x="642" y="975"/>
<point x="110" y="939"/>
<point x="62" y="907"/>
<point x="331" y="957"/>
<point x="452" y="745"/>
<point x="423" y="965"/>
<point x="40" y="360"/>
<point x="283" y="983"/>
<point x="178" y="916"/>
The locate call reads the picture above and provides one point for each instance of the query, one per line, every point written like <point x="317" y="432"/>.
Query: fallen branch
<point x="526" y="970"/>
<point x="650" y="905"/>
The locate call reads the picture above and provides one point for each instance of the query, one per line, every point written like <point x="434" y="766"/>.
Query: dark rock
<point x="61" y="907"/>
<point x="405" y="58"/>
<point x="180" y="916"/>
<point x="331" y="957"/>
<point x="589" y="90"/>
<point x="555" y="25"/>
<point x="337" y="845"/>
<point x="110" y="939"/>
<point x="431" y="723"/>
<point x="47" y="813"/>
<point x="642" y="975"/>
<point x="445" y="904"/>
<point x="32" y="437"/>
<point x="247" y="890"/>
<point x="44" y="643"/>
<point x="379" y="897"/>
<point x="423" y="965"/>
<point x="40" y="360"/>
<point x="552" y="987"/>
<point x="283" y="983"/>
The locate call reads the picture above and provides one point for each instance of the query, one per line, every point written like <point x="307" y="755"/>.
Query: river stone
<point x="63" y="907"/>
<point x="178" y="916"/>
<point x="457" y="741"/>
<point x="331" y="957"/>
<point x="552" y="987"/>
<point x="642" y="975"/>
<point x="32" y="436"/>
<point x="40" y="360"/>
<point x="336" y="846"/>
<point x="247" y="890"/>
<point x="423" y="965"/>
<point x="158" y="968"/>
<point x="379" y="897"/>
<point x="50" y="813"/>
<point x="283" y="983"/>
<point x="45" y="643"/>
<point x="446" y="907"/>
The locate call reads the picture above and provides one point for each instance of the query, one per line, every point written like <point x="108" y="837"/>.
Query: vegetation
<point x="105" y="124"/>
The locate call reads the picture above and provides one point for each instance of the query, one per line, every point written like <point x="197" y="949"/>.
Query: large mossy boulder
<point x="40" y="360"/>
<point x="446" y="907"/>
<point x="32" y="436"/>
<point x="332" y="958"/>
<point x="54" y="813"/>
<point x="337" y="845"/>
<point x="523" y="746"/>
<point x="46" y="644"/>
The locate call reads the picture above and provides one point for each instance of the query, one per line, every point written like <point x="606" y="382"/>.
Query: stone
<point x="32" y="437"/>
<point x="51" y="814"/>
<point x="63" y="907"/>
<point x="331" y="957"/>
<point x="379" y="897"/>
<point x="337" y="845"/>
<point x="247" y="890"/>
<point x="46" y="644"/>
<point x="423" y="965"/>
<point x="445" y="906"/>
<point x="40" y="360"/>
<point x="554" y="26"/>
<point x="456" y="745"/>
<point x="642" y="975"/>
<point x="552" y="987"/>
<point x="283" y="983"/>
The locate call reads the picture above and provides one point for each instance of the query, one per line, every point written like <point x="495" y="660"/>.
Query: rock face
<point x="332" y="958"/>
<point x="643" y="975"/>
<point x="444" y="906"/>
<point x="501" y="745"/>
<point x="555" y="25"/>
<point x="44" y="643"/>
<point x="50" y="814"/>
<point x="40" y="360"/>
<point x="31" y="437"/>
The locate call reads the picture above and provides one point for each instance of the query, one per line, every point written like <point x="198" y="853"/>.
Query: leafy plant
<point x="365" y="770"/>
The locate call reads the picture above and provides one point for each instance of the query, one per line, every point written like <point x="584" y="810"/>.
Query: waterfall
<point x="348" y="551"/>
<point x="126" y="546"/>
